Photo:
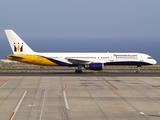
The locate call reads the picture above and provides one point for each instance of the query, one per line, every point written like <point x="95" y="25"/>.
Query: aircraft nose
<point x="154" y="61"/>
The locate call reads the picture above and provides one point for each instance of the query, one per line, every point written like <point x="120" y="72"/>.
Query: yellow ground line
<point x="110" y="84"/>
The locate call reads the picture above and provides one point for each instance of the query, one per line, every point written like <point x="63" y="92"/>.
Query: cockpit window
<point x="149" y="57"/>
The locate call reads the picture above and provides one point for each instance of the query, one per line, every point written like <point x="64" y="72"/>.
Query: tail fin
<point x="18" y="46"/>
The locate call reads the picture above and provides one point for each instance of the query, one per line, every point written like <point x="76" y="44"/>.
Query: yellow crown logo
<point x="18" y="48"/>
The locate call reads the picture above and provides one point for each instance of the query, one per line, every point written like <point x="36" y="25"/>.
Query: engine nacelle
<point x="94" y="66"/>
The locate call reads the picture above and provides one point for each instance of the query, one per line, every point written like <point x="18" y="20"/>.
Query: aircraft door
<point x="111" y="58"/>
<point x="141" y="58"/>
<point x="33" y="58"/>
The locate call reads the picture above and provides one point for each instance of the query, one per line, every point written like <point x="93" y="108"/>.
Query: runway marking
<point x="42" y="104"/>
<point x="67" y="106"/>
<point x="4" y="83"/>
<point x="110" y="84"/>
<point x="141" y="113"/>
<point x="18" y="105"/>
<point x="65" y="100"/>
<point x="11" y="116"/>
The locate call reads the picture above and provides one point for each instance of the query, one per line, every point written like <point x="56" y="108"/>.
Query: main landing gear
<point x="79" y="69"/>
<point x="138" y="69"/>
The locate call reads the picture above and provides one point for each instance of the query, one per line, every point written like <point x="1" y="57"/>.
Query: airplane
<point x="92" y="61"/>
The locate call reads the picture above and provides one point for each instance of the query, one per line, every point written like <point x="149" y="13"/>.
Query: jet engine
<point x="94" y="66"/>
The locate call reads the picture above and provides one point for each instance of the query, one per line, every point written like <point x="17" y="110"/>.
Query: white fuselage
<point x="106" y="58"/>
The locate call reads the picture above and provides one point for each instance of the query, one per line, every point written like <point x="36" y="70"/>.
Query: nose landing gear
<point x="138" y="69"/>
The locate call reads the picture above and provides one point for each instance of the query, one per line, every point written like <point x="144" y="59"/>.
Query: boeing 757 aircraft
<point x="92" y="61"/>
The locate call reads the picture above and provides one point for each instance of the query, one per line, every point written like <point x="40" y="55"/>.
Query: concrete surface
<point x="79" y="98"/>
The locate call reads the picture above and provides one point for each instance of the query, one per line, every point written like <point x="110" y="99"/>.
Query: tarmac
<point x="59" y="96"/>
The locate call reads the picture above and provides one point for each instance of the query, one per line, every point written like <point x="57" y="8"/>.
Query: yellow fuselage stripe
<point x="33" y="59"/>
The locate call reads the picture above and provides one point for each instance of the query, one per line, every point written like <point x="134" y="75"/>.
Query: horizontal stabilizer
<point x="16" y="57"/>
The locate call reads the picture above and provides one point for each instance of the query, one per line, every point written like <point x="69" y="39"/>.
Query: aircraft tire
<point x="78" y="71"/>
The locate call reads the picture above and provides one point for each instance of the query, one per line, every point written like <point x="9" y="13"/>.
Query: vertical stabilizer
<point x="18" y="46"/>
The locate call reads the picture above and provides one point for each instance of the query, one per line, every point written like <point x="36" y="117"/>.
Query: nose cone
<point x="154" y="62"/>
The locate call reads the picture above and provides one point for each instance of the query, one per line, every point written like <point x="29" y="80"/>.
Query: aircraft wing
<point x="79" y="61"/>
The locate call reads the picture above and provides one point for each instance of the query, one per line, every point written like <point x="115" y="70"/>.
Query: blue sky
<point x="81" y="18"/>
<point x="78" y="22"/>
